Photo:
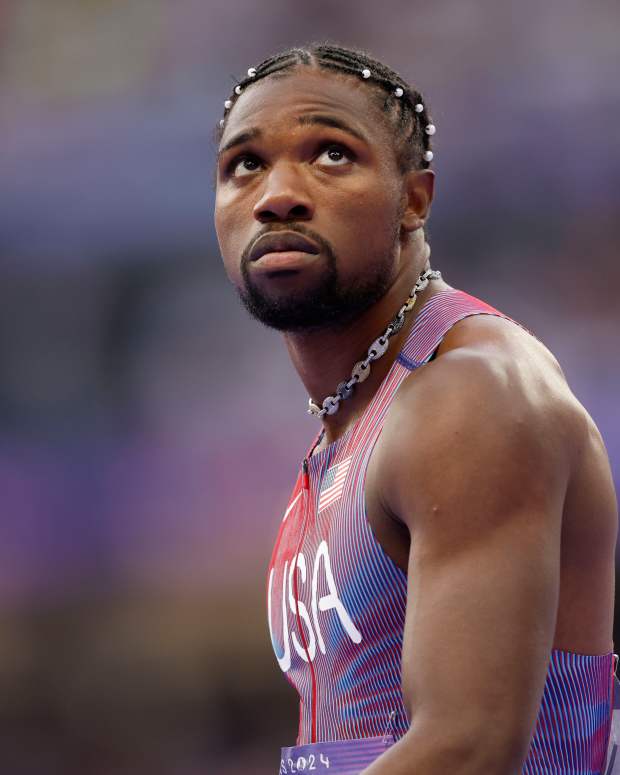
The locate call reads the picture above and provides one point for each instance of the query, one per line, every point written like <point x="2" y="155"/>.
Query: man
<point x="441" y="589"/>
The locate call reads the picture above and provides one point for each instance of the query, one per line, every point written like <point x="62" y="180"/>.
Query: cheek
<point x="371" y="232"/>
<point x="229" y="236"/>
<point x="374" y="199"/>
<point x="372" y="214"/>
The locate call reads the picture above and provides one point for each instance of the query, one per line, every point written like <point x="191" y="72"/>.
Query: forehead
<point x="278" y="101"/>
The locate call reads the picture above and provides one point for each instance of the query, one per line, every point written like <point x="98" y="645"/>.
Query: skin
<point x="489" y="484"/>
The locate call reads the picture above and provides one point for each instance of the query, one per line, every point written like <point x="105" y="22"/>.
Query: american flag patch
<point x="333" y="484"/>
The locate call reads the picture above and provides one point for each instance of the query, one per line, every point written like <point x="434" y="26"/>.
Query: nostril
<point x="266" y="216"/>
<point x="297" y="212"/>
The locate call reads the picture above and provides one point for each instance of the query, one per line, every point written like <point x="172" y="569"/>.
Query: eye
<point x="243" y="166"/>
<point x="335" y="155"/>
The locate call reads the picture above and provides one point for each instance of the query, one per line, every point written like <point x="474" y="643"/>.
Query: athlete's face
<point x="309" y="155"/>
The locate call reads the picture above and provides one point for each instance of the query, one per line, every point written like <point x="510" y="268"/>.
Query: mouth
<point x="283" y="247"/>
<point x="283" y="262"/>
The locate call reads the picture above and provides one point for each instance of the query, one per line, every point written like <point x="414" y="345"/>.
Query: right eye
<point x="243" y="166"/>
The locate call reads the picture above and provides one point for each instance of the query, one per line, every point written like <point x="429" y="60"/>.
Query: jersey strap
<point x="436" y="318"/>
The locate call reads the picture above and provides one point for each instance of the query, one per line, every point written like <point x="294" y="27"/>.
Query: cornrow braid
<point x="404" y="104"/>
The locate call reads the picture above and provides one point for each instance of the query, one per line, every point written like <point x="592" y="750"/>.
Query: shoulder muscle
<point x="491" y="413"/>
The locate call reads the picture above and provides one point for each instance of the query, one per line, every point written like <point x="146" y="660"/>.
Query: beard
<point x="327" y="305"/>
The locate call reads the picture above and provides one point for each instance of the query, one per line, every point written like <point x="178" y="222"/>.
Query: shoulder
<point x="493" y="407"/>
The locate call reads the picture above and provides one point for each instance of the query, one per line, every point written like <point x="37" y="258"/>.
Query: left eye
<point x="334" y="156"/>
<point x="244" y="165"/>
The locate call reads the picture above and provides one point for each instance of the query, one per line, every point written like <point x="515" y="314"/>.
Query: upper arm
<point x="477" y="471"/>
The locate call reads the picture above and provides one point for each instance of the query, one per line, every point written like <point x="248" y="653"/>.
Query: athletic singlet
<point x="336" y="601"/>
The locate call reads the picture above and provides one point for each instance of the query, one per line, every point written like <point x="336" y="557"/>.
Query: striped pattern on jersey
<point x="572" y="730"/>
<point x="336" y="602"/>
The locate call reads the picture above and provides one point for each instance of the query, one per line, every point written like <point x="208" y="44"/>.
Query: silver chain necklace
<point x="361" y="370"/>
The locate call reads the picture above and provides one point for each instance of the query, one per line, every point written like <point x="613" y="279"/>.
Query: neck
<point x="325" y="358"/>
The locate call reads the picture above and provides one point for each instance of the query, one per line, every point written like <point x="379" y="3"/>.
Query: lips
<point x="283" y="242"/>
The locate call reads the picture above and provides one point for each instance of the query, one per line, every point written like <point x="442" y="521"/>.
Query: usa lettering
<point x="310" y="619"/>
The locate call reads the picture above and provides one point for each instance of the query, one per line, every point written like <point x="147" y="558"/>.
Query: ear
<point x="418" y="189"/>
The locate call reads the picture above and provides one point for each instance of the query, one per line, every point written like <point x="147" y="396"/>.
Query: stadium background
<point x="149" y="431"/>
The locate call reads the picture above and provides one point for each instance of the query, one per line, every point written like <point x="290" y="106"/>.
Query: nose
<point x="284" y="197"/>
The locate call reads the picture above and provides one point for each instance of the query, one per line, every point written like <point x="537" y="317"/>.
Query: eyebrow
<point x="313" y="119"/>
<point x="242" y="137"/>
<point x="331" y="121"/>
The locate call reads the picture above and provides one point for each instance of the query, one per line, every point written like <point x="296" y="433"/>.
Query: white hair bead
<point x="419" y="108"/>
<point x="398" y="92"/>
<point x="428" y="156"/>
<point x="238" y="89"/>
<point x="222" y="122"/>
<point x="430" y="129"/>
<point x="365" y="73"/>
<point x="252" y="72"/>
<point x="228" y="104"/>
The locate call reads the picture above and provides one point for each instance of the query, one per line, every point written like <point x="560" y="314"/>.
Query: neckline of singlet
<point x="317" y="459"/>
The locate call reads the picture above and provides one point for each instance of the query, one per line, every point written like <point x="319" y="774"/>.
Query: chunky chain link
<point x="361" y="370"/>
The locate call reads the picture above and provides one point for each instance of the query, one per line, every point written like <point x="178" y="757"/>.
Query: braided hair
<point x="403" y="103"/>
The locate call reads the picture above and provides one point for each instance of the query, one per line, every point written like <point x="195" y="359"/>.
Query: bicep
<point x="479" y="625"/>
<point x="481" y="488"/>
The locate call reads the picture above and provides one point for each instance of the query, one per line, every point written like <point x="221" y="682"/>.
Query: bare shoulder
<point x="494" y="396"/>
<point x="486" y="446"/>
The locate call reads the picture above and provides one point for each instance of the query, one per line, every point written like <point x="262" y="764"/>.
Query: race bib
<point x="341" y="757"/>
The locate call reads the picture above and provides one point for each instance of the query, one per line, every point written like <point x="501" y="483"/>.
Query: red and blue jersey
<point x="336" y="601"/>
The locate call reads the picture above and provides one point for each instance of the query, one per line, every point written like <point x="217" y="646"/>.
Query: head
<point x="323" y="186"/>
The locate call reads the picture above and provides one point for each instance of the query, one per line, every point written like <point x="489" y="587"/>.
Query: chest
<point x="329" y="576"/>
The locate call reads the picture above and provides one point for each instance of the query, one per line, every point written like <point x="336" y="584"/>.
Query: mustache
<point x="299" y="228"/>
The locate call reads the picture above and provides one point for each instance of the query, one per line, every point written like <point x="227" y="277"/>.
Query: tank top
<point x="336" y="601"/>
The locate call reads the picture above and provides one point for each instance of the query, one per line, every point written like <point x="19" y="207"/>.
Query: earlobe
<point x="418" y="191"/>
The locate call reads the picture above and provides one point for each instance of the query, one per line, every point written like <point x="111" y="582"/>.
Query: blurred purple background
<point x="150" y="431"/>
